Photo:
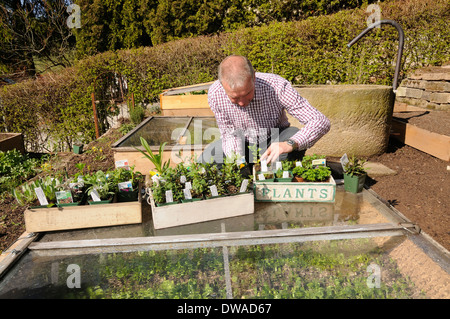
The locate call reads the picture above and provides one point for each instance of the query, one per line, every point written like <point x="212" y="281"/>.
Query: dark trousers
<point x="214" y="153"/>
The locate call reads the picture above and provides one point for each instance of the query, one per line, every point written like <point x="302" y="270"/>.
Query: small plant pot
<point x="78" y="149"/>
<point x="354" y="184"/>
<point x="106" y="201"/>
<point x="127" y="196"/>
<point x="269" y="177"/>
<point x="69" y="204"/>
<point x="298" y="179"/>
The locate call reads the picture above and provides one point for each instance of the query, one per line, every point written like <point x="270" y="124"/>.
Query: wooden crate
<point x="201" y="211"/>
<point x="295" y="192"/>
<point x="83" y="216"/>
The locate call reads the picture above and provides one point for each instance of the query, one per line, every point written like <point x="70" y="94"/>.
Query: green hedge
<point x="57" y="107"/>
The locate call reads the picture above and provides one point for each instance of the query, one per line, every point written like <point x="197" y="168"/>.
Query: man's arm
<point x="315" y="123"/>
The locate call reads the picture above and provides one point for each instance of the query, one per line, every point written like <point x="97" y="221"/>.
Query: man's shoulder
<point x="270" y="80"/>
<point x="215" y="88"/>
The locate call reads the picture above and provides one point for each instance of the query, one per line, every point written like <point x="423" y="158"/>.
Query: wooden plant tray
<point x="201" y="211"/>
<point x="295" y="192"/>
<point x="83" y="216"/>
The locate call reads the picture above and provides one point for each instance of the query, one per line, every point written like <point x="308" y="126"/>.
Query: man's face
<point x="241" y="96"/>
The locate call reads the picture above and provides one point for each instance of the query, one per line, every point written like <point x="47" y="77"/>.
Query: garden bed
<point x="82" y="216"/>
<point x="201" y="211"/>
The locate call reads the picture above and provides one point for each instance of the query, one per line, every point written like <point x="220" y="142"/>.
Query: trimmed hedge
<point x="57" y="107"/>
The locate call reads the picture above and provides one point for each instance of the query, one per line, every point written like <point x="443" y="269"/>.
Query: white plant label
<point x="285" y="174"/>
<point x="123" y="164"/>
<point x="41" y="196"/>
<point x="182" y="179"/>
<point x="244" y="186"/>
<point x="278" y="166"/>
<point x="213" y="190"/>
<point x="95" y="195"/>
<point x="298" y="164"/>
<point x="261" y="177"/>
<point x="169" y="196"/>
<point x="344" y="160"/>
<point x="263" y="166"/>
<point x="188" y="185"/>
<point x="187" y="193"/>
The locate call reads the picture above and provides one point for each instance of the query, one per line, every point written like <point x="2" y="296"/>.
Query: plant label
<point x="278" y="166"/>
<point x="319" y="162"/>
<point x="285" y="174"/>
<point x="64" y="197"/>
<point x="264" y="166"/>
<point x="298" y="164"/>
<point x="182" y="179"/>
<point x="41" y="196"/>
<point x="169" y="196"/>
<point x="125" y="186"/>
<point x="213" y="189"/>
<point x="344" y="160"/>
<point x="188" y="185"/>
<point x="187" y="193"/>
<point x="123" y="163"/>
<point x="261" y="177"/>
<point x="95" y="196"/>
<point x="244" y="186"/>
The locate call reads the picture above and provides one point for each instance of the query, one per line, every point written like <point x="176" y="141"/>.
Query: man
<point x="250" y="109"/>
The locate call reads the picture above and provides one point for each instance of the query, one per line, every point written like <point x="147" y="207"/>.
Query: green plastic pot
<point x="354" y="184"/>
<point x="78" y="149"/>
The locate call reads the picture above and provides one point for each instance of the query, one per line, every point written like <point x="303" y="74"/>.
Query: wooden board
<point x="201" y="211"/>
<point x="187" y="112"/>
<point x="429" y="142"/>
<point x="184" y="102"/>
<point x="85" y="216"/>
<point x="295" y="192"/>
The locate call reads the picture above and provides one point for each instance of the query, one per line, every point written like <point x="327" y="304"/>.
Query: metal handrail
<point x="400" y="45"/>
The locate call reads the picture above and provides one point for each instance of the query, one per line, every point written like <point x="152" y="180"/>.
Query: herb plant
<point x="355" y="166"/>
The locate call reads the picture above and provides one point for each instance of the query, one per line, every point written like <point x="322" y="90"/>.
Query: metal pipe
<point x="400" y="45"/>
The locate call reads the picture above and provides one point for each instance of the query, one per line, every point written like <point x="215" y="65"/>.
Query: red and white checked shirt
<point x="273" y="95"/>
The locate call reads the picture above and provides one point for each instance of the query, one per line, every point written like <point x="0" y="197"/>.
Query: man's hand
<point x="275" y="150"/>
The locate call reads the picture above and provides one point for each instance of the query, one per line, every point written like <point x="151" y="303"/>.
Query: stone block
<point x="437" y="86"/>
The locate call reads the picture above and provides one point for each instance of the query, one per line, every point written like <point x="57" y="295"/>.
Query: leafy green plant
<point x="318" y="174"/>
<point x="355" y="166"/>
<point x="101" y="183"/>
<point x="298" y="171"/>
<point x="156" y="159"/>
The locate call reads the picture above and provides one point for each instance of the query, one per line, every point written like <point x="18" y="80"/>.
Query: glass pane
<point x="196" y="273"/>
<point x="319" y="269"/>
<point x="201" y="131"/>
<point x="157" y="131"/>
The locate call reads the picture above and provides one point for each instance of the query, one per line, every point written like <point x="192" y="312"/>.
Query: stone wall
<point x="427" y="88"/>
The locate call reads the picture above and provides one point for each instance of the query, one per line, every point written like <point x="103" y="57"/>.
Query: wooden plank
<point x="190" y="88"/>
<point x="184" y="102"/>
<point x="85" y="216"/>
<point x="201" y="211"/>
<point x="17" y="249"/>
<point x="220" y="239"/>
<point x="188" y="112"/>
<point x="429" y="142"/>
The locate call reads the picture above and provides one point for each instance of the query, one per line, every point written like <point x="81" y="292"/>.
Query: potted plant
<point x="99" y="187"/>
<point x="281" y="176"/>
<point x="156" y="159"/>
<point x="318" y="174"/>
<point x="297" y="173"/>
<point x="169" y="181"/>
<point x="354" y="175"/>
<point x="127" y="183"/>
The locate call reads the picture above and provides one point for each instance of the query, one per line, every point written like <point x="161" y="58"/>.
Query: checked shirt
<point x="256" y="122"/>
